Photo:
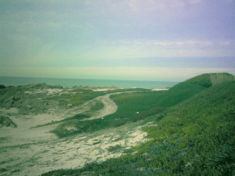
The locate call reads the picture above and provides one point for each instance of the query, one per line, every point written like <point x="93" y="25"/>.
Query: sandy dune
<point x="32" y="151"/>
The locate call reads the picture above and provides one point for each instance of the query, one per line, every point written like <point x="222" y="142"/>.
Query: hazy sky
<point x="116" y="39"/>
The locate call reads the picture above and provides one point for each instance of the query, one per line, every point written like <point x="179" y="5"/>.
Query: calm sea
<point x="86" y="82"/>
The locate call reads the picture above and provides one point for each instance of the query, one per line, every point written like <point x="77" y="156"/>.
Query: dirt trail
<point x="32" y="151"/>
<point x="110" y="107"/>
<point x="26" y="133"/>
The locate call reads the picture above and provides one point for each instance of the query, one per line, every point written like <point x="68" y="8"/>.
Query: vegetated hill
<point x="191" y="87"/>
<point x="195" y="137"/>
<point x="134" y="106"/>
<point x="146" y="103"/>
<point x="210" y="79"/>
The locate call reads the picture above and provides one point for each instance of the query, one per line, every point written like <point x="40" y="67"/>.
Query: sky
<point x="116" y="39"/>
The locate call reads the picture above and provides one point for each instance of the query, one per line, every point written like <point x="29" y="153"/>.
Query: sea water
<point x="86" y="82"/>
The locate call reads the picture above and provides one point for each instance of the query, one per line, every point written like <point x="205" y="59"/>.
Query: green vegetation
<point x="75" y="119"/>
<point x="66" y="122"/>
<point x="36" y="99"/>
<point x="2" y="86"/>
<point x="6" y="122"/>
<point x="79" y="97"/>
<point x="208" y="80"/>
<point x="134" y="106"/>
<point x="194" y="134"/>
<point x="96" y="107"/>
<point x="114" y="148"/>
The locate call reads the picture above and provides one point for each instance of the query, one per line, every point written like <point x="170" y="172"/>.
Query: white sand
<point x="32" y="151"/>
<point x="104" y="89"/>
<point x="155" y="89"/>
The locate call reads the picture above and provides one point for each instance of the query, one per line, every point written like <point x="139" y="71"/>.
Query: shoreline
<point x="70" y="83"/>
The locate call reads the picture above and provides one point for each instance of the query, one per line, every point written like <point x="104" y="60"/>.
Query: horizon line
<point x="104" y="79"/>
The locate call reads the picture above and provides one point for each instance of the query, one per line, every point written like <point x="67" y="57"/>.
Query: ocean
<point x="86" y="82"/>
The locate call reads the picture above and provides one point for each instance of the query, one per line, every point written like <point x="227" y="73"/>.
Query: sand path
<point x="110" y="107"/>
<point x="32" y="151"/>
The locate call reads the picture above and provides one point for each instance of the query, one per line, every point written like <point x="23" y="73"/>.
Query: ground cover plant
<point x="134" y="105"/>
<point x="192" y="137"/>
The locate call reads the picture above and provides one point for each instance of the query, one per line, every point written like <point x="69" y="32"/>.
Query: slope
<point x="142" y="104"/>
<point x="195" y="137"/>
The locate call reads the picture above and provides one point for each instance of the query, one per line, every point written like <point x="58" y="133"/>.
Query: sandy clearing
<point x="48" y="91"/>
<point x="32" y="151"/>
<point x="155" y="89"/>
<point x="71" y="152"/>
<point x="110" y="107"/>
<point x="26" y="123"/>
<point x="104" y="89"/>
<point x="9" y="111"/>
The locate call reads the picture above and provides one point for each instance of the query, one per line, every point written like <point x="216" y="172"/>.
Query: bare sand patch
<point x="32" y="151"/>
<point x="41" y="156"/>
<point x="155" y="89"/>
<point x="104" y="89"/>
